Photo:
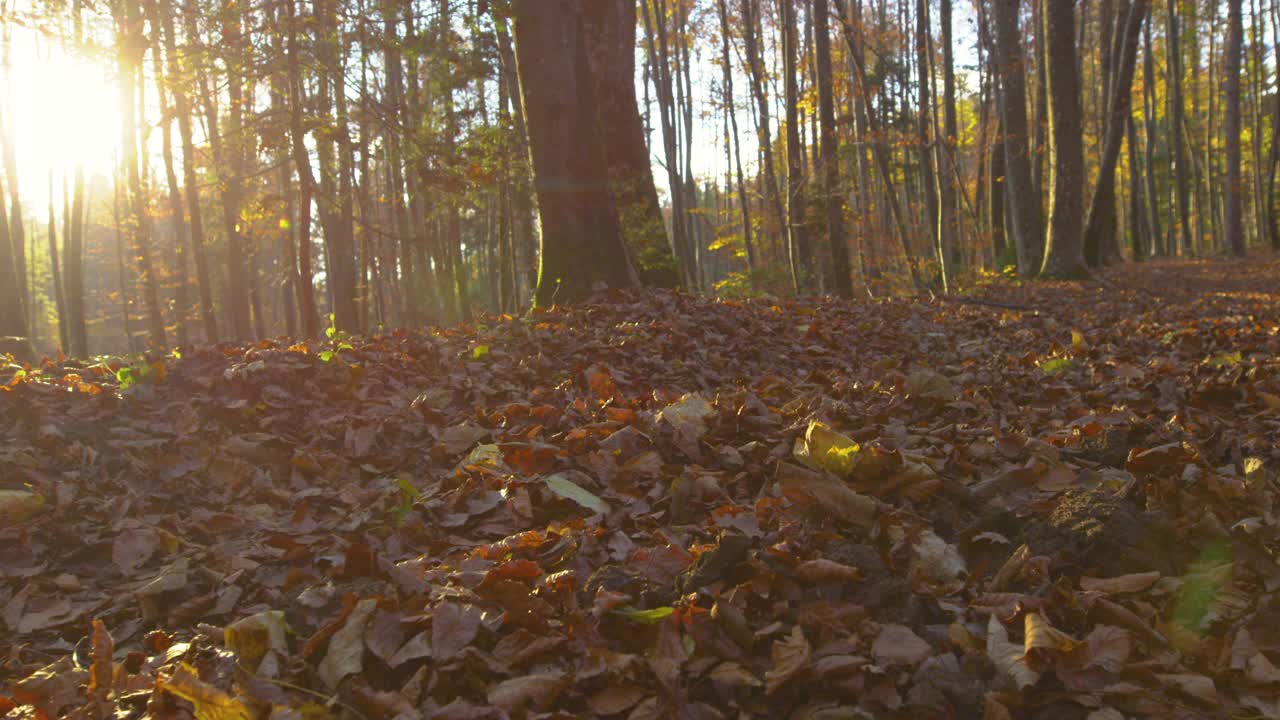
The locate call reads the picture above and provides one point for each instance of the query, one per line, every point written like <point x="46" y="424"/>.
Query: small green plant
<point x="408" y="496"/>
<point x="338" y="339"/>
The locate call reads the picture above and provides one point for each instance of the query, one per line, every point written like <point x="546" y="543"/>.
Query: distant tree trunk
<point x="121" y="273"/>
<point x="73" y="269"/>
<point x="1173" y="64"/>
<point x="880" y="154"/>
<point x="945" y="147"/>
<point x="13" y="322"/>
<point x="1137" y="209"/>
<point x="180" y="66"/>
<point x="756" y="73"/>
<point x="731" y="109"/>
<point x="659" y="54"/>
<point x="924" y="124"/>
<point x="582" y="241"/>
<point x="1273" y="160"/>
<point x="524" y="241"/>
<point x="1024" y="204"/>
<point x="15" y="227"/>
<point x="306" y="179"/>
<point x="1149" y="146"/>
<point x="1064" y="251"/>
<point x="1235" y="192"/>
<point x="181" y="301"/>
<point x="798" y="250"/>
<point x="1099" y="240"/>
<point x="842" y="271"/>
<point x="55" y="276"/>
<point x="129" y="55"/>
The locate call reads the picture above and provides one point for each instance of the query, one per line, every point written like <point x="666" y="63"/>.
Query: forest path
<point x="660" y="505"/>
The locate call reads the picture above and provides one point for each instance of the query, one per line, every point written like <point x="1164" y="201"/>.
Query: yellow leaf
<point x="210" y="703"/>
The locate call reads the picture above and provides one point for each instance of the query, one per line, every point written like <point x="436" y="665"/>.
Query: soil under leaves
<point x="1044" y="501"/>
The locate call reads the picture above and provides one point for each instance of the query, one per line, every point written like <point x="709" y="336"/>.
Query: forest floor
<point x="1040" y="501"/>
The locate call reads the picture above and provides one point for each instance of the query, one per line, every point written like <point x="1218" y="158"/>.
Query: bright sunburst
<point x="65" y="110"/>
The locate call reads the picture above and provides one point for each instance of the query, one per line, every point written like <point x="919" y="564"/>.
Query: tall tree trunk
<point x="13" y="322"/>
<point x="1173" y="64"/>
<point x="948" y="173"/>
<point x="1149" y="145"/>
<point x="1099" y="233"/>
<point x="138" y="225"/>
<point x="1234" y="206"/>
<point x="924" y="123"/>
<point x="842" y="272"/>
<point x="1024" y="204"/>
<point x="306" y="180"/>
<point x="732" y="111"/>
<point x="610" y="27"/>
<point x="59" y="299"/>
<point x="764" y="132"/>
<point x="181" y="300"/>
<point x="656" y="33"/>
<point x="180" y="68"/>
<point x="582" y="242"/>
<point x="1064" y="250"/>
<point x="798" y="250"/>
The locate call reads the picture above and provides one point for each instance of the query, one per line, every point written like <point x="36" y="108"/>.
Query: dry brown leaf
<point x="790" y="657"/>
<point x="1136" y="582"/>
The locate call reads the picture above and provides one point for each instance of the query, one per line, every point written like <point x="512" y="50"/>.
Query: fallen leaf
<point x="538" y="691"/>
<point x="822" y="570"/>
<point x="1136" y="582"/>
<point x="561" y="485"/>
<point x="210" y="703"/>
<point x="346" y="648"/>
<point x="898" y="645"/>
<point x="790" y="657"/>
<point x="453" y="627"/>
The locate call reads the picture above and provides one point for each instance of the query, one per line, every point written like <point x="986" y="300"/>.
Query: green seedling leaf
<point x="568" y="489"/>
<point x="480" y="352"/>
<point x="1226" y="359"/>
<point x="645" y="617"/>
<point x="1054" y="366"/>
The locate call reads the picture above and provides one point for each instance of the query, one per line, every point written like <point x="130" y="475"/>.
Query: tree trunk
<point x="130" y="47"/>
<point x="731" y="110"/>
<point x="798" y="250"/>
<point x="1064" y="250"/>
<point x="179" y="67"/>
<point x="842" y="272"/>
<point x="1173" y="65"/>
<point x="55" y="276"/>
<point x="582" y="241"/>
<point x="1024" y="204"/>
<point x="1099" y="231"/>
<point x="1149" y="146"/>
<point x="756" y="72"/>
<point x="948" y="174"/>
<point x="1234" y="206"/>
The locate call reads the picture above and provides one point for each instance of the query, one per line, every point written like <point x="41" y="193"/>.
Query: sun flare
<point x="65" y="110"/>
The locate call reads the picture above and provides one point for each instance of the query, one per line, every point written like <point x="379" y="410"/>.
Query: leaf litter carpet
<point x="1044" y="501"/>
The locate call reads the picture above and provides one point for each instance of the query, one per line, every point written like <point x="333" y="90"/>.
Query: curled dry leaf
<point x="1136" y="582"/>
<point x="822" y="570"/>
<point x="790" y="657"/>
<point x="1008" y="657"/>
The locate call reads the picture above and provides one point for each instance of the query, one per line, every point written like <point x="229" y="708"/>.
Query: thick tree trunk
<point x="842" y="272"/>
<point x="1234" y="206"/>
<point x="582" y="241"/>
<point x="1064" y="250"/>
<point x="1024" y="203"/>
